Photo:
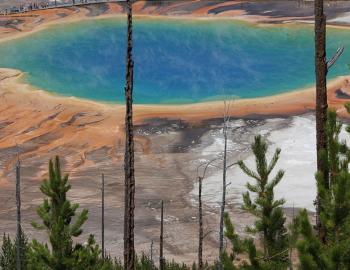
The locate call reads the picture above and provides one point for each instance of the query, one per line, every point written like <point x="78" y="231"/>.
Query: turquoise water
<point x="176" y="61"/>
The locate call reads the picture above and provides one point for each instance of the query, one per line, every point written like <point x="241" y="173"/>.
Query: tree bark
<point x="200" y="220"/>
<point x="103" y="216"/>
<point x="321" y="98"/>
<point x="129" y="248"/>
<point x="161" y="259"/>
<point x="151" y="253"/>
<point x="223" y="202"/>
<point x="19" y="229"/>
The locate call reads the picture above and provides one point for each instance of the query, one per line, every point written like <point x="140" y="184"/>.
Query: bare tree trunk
<point x="19" y="229"/>
<point x="223" y="202"/>
<point x="200" y="220"/>
<point x="103" y="216"/>
<point x="129" y="248"/>
<point x="321" y="98"/>
<point x="161" y="259"/>
<point x="151" y="253"/>
<point x="200" y="211"/>
<point x="290" y="254"/>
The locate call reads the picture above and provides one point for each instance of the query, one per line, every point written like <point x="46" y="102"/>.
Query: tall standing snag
<point x="224" y="185"/>
<point x="321" y="95"/>
<point x="200" y="212"/>
<point x="322" y="67"/>
<point x="161" y="259"/>
<point x="103" y="216"/>
<point x="151" y="253"/>
<point x="129" y="248"/>
<point x="18" y="204"/>
<point x="200" y="223"/>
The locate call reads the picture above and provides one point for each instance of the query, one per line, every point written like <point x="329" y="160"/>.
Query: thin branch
<point x="206" y="167"/>
<point x="335" y="57"/>
<point x="211" y="231"/>
<point x="273" y="256"/>
<point x="229" y="166"/>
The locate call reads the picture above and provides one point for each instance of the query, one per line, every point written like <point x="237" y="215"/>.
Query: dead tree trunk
<point x="290" y="254"/>
<point x="321" y="70"/>
<point x="161" y="259"/>
<point x="200" y="211"/>
<point x="151" y="253"/>
<point x="224" y="185"/>
<point x="321" y="99"/>
<point x="103" y="216"/>
<point x="19" y="228"/>
<point x="129" y="248"/>
<point x="200" y="223"/>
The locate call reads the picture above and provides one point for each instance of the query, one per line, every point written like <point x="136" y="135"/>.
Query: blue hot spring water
<point x="176" y="61"/>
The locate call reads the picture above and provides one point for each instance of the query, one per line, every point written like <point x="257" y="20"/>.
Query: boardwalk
<point x="43" y="5"/>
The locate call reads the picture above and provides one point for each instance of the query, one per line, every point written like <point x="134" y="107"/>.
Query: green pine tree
<point x="270" y="223"/>
<point x="89" y="257"/>
<point x="312" y="254"/>
<point x="333" y="252"/>
<point x="243" y="248"/>
<point x="231" y="261"/>
<point x="57" y="214"/>
<point x="144" y="263"/>
<point x="8" y="252"/>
